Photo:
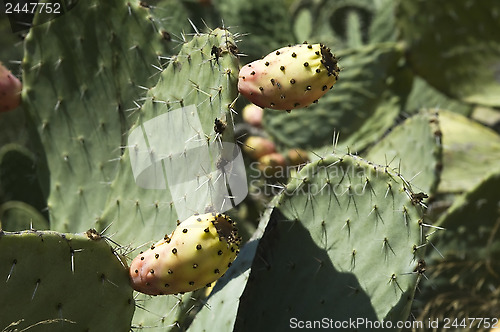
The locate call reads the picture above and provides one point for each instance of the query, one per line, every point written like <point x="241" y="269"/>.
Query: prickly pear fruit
<point x="273" y="165"/>
<point x="10" y="90"/>
<point x="291" y="77"/>
<point x="255" y="147"/>
<point x="198" y="252"/>
<point x="252" y="114"/>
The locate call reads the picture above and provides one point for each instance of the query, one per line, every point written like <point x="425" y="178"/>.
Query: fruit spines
<point x="290" y="77"/>
<point x="198" y="252"/>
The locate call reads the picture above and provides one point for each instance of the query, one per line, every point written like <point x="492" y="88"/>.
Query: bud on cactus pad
<point x="291" y="77"/>
<point x="10" y="90"/>
<point x="198" y="252"/>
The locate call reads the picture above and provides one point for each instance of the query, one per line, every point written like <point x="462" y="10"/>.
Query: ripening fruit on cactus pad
<point x="291" y="77"/>
<point x="198" y="252"/>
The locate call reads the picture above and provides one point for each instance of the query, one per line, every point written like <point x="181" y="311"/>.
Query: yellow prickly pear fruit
<point x="198" y="252"/>
<point x="291" y="77"/>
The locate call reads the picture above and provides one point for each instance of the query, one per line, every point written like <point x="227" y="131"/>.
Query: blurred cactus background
<point x="379" y="203"/>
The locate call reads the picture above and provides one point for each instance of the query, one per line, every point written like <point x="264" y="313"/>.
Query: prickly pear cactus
<point x="48" y="276"/>
<point x="343" y="222"/>
<point x="345" y="234"/>
<point x="132" y="110"/>
<point x="290" y="77"/>
<point x="256" y="147"/>
<point x="197" y="87"/>
<point x="82" y="102"/>
<point x="84" y="114"/>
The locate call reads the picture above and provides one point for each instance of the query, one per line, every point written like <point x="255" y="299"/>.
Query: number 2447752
<point x="470" y="323"/>
<point x="33" y="7"/>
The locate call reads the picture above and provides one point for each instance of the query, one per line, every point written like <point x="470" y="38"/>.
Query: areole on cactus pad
<point x="198" y="252"/>
<point x="291" y="77"/>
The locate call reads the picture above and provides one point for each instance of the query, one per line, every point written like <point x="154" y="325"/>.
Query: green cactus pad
<point x="63" y="282"/>
<point x="194" y="81"/>
<point x="414" y="149"/>
<point x="470" y="150"/>
<point x="199" y="83"/>
<point x="83" y="73"/>
<point x="344" y="237"/>
<point x="362" y="105"/>
<point x="467" y="272"/>
<point x="454" y="46"/>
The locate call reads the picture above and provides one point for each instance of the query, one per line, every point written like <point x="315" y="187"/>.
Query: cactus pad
<point x="414" y="148"/>
<point x="80" y="93"/>
<point x="345" y="236"/>
<point x="196" y="88"/>
<point x="68" y="282"/>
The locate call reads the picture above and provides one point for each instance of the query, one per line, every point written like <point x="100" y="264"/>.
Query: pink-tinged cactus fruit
<point x="291" y="77"/>
<point x="256" y="147"/>
<point x="10" y="90"/>
<point x="198" y="252"/>
<point x="252" y="114"/>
